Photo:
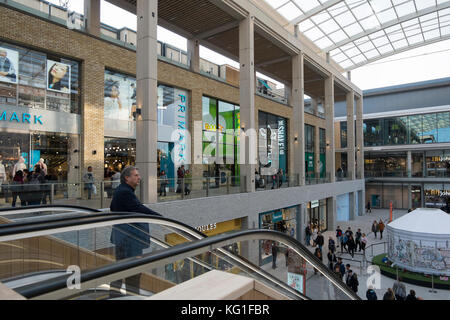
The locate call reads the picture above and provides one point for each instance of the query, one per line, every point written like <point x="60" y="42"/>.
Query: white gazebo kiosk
<point x="420" y="241"/>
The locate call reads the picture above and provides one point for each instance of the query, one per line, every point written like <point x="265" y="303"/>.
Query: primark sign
<point x="23" y="118"/>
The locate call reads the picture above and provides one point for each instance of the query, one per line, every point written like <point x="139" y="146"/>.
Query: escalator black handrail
<point x="46" y="228"/>
<point x="53" y="288"/>
<point x="33" y="209"/>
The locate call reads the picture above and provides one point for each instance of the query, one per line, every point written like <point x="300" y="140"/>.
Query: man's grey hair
<point x="126" y="173"/>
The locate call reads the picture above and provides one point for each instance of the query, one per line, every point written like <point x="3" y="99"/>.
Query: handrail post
<point x="207" y="187"/>
<point x="102" y="194"/>
<point x="228" y="184"/>
<point x="52" y="193"/>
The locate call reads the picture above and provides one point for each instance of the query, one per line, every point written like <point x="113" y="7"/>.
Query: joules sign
<point x="20" y="117"/>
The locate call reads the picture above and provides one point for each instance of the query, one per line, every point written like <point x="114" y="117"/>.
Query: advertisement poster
<point x="120" y="97"/>
<point x="295" y="281"/>
<point x="9" y="65"/>
<point x="58" y="76"/>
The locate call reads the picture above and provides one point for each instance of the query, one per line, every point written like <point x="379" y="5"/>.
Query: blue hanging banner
<point x="277" y="216"/>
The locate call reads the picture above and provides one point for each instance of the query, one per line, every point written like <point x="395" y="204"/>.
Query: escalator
<point x="48" y="245"/>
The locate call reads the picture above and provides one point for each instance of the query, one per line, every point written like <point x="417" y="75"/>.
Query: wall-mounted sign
<point x="314" y="204"/>
<point x="19" y="117"/>
<point x="277" y="216"/>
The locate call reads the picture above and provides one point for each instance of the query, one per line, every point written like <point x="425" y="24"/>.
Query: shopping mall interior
<point x="242" y="159"/>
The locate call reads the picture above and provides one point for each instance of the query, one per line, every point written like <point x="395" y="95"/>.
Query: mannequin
<point x="2" y="171"/>
<point x="43" y="166"/>
<point x="20" y="165"/>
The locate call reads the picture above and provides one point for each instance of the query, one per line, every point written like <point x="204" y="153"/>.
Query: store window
<point x="272" y="144"/>
<point x="373" y="134"/>
<point x="317" y="213"/>
<point x="283" y="220"/>
<point x="221" y="128"/>
<point x="119" y="153"/>
<point x="344" y="134"/>
<point x="438" y="163"/>
<point x="436" y="194"/>
<point x="322" y="152"/>
<point x="396" y="131"/>
<point x="38" y="80"/>
<point x="120" y="97"/>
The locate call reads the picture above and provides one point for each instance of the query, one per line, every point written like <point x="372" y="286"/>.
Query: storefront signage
<point x="208" y="227"/>
<point x="181" y="122"/>
<point x="20" y="118"/>
<point x="314" y="204"/>
<point x="277" y="216"/>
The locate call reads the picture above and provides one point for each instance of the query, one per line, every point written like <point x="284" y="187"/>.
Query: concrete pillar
<point x="92" y="16"/>
<point x="193" y="50"/>
<point x="298" y="123"/>
<point x="359" y="139"/>
<point x="329" y="120"/>
<point x="409" y="196"/>
<point x="351" y="170"/>
<point x="361" y="202"/>
<point x="331" y="214"/>
<point x="315" y="106"/>
<point x="247" y="102"/>
<point x="147" y="98"/>
<point x="353" y="209"/>
<point x="409" y="164"/>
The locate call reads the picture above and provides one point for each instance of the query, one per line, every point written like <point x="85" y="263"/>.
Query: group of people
<point x="31" y="187"/>
<point x="277" y="180"/>
<point x="346" y="274"/>
<point x="378" y="227"/>
<point x="397" y="292"/>
<point x="349" y="242"/>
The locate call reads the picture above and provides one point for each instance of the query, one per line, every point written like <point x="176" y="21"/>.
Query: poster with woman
<point x="120" y="97"/>
<point x="9" y="65"/>
<point x="58" y="76"/>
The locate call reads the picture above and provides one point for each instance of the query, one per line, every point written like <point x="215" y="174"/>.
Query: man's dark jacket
<point x="125" y="200"/>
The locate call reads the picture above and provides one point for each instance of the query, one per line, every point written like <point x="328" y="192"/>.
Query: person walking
<point x="375" y="228"/>
<point x="187" y="183"/>
<point x="341" y="267"/>
<point x="353" y="281"/>
<point x="411" y="296"/>
<point x="308" y="234"/>
<point x="180" y="178"/>
<point x="129" y="239"/>
<point x="331" y="245"/>
<point x="358" y="236"/>
<point x="381" y="228"/>
<point x="88" y="180"/>
<point x="274" y="254"/>
<point x="318" y="254"/>
<point x="338" y="235"/>
<point x="320" y="240"/>
<point x="351" y="246"/>
<point x="164" y="183"/>
<point x="363" y="242"/>
<point x="17" y="188"/>
<point x="399" y="289"/>
<point x="331" y="259"/>
<point x="368" y="209"/>
<point x="35" y="187"/>
<point x="371" y="295"/>
<point x="389" y="295"/>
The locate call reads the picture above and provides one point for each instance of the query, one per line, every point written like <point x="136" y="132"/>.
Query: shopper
<point x="375" y="228"/>
<point x="381" y="228"/>
<point x="308" y="234"/>
<point x="180" y="176"/>
<point x="368" y="209"/>
<point x="35" y="187"/>
<point x="338" y="235"/>
<point x="331" y="245"/>
<point x="318" y="254"/>
<point x="363" y="242"/>
<point x="130" y="239"/>
<point x="371" y="295"/>
<point x="337" y="271"/>
<point x="320" y="241"/>
<point x="353" y="281"/>
<point x="411" y="296"/>
<point x="351" y="245"/>
<point x="88" y="180"/>
<point x="341" y="267"/>
<point x="187" y="183"/>
<point x="274" y="254"/>
<point x="358" y="236"/>
<point x="164" y="183"/>
<point x="17" y="189"/>
<point x="389" y="295"/>
<point x="331" y="259"/>
<point x="399" y="289"/>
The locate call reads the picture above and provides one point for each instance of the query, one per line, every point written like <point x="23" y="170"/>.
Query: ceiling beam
<point x="220" y="29"/>
<point x="391" y="23"/>
<point x="269" y="62"/>
<point x="414" y="46"/>
<point x="315" y="11"/>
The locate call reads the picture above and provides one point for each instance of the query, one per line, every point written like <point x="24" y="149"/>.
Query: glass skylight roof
<point x="357" y="32"/>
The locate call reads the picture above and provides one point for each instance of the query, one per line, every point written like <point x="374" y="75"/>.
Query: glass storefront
<point x="309" y="150"/>
<point x="283" y="220"/>
<point x="38" y="80"/>
<point x="221" y="129"/>
<point x="386" y="164"/>
<point x="436" y="194"/>
<point x="119" y="154"/>
<point x="438" y="163"/>
<point x="415" y="129"/>
<point x="317" y="214"/>
<point x="272" y="144"/>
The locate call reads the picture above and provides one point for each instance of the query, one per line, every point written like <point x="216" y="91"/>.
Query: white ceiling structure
<point x="358" y="32"/>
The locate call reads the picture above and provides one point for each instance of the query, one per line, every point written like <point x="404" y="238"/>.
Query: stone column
<point x="351" y="170"/>
<point x="147" y="98"/>
<point x="193" y="50"/>
<point x="298" y="123"/>
<point x="409" y="164"/>
<point x="247" y="102"/>
<point x="329" y="120"/>
<point x="359" y="139"/>
<point x="92" y="16"/>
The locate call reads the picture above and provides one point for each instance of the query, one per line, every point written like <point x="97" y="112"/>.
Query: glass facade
<point x="309" y="149"/>
<point x="119" y="153"/>
<point x="415" y="129"/>
<point x="272" y="144"/>
<point x="221" y="128"/>
<point x="38" y="80"/>
<point x="322" y="152"/>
